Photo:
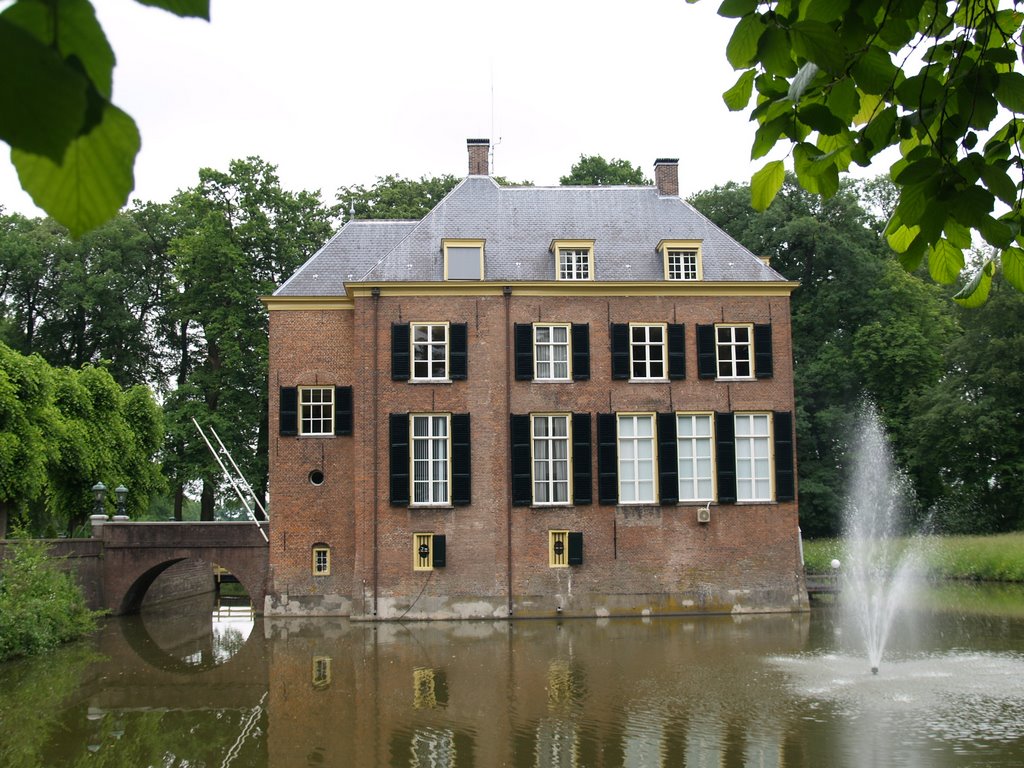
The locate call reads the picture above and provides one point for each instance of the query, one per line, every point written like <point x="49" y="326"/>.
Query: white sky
<point x="337" y="93"/>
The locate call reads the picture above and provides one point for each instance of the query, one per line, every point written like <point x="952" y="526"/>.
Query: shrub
<point x="40" y="605"/>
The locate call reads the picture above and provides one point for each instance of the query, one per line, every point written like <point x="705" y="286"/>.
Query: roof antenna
<point x="494" y="144"/>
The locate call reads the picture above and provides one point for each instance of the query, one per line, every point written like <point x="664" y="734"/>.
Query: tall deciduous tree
<point x="392" y="197"/>
<point x="969" y="427"/>
<point x="239" y="235"/>
<point x="97" y="299"/>
<point x="861" y="325"/>
<point x="594" y="170"/>
<point x="840" y="82"/>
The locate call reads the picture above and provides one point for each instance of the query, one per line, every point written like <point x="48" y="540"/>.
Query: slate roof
<point x="518" y="225"/>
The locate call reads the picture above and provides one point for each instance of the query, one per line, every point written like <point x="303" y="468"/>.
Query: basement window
<point x="321" y="560"/>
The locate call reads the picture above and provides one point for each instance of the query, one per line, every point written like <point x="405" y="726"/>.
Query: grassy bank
<point x="981" y="558"/>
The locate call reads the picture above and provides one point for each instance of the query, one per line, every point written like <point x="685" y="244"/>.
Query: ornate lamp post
<point x="99" y="493"/>
<point x="121" y="496"/>
<point x="99" y="513"/>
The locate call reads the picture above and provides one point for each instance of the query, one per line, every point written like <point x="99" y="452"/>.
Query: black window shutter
<point x="524" y="351"/>
<point x="439" y="548"/>
<point x="399" y="439"/>
<point x="607" y="459"/>
<point x="676" y="351"/>
<point x="582" y="465"/>
<point x="461" y="465"/>
<point x="763" y="351"/>
<point x="706" y="356"/>
<point x="458" y="352"/>
<point x="580" y="351"/>
<point x="785" y="482"/>
<point x="522" y="477"/>
<point x="575" y="554"/>
<point x="668" y="465"/>
<point x="725" y="457"/>
<point x="400" y="360"/>
<point x="620" y="350"/>
<point x="288" y="410"/>
<point x="343" y="410"/>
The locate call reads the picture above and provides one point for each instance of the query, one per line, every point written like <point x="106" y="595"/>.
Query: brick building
<point x="534" y="401"/>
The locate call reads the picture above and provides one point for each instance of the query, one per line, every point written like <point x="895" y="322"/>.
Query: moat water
<point x="177" y="689"/>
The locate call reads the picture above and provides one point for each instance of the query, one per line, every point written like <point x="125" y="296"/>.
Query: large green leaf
<point x="975" y="293"/>
<point x="901" y="237"/>
<point x="818" y="42"/>
<point x="774" y="52"/>
<point x="1012" y="261"/>
<point x="874" y="71"/>
<point x="70" y="26"/>
<point x="766" y="183"/>
<point x="737" y="97"/>
<point x="43" y="107"/>
<point x="734" y="9"/>
<point x="945" y="261"/>
<point x="1010" y="91"/>
<point x="197" y="8"/>
<point x="742" y="47"/>
<point x="94" y="180"/>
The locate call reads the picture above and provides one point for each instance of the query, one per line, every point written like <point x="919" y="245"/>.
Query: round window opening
<point x="316" y="477"/>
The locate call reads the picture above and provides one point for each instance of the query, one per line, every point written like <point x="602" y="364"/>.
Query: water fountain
<point x="879" y="561"/>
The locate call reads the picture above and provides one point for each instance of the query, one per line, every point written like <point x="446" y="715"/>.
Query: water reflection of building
<point x="579" y="694"/>
<point x="533" y="401"/>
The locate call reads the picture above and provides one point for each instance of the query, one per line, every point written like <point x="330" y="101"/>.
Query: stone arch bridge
<point x="123" y="558"/>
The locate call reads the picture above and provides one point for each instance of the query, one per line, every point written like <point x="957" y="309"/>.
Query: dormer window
<point x="574" y="259"/>
<point x="682" y="259"/>
<point x="463" y="259"/>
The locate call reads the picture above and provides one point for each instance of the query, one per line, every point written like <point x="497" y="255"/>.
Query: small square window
<point x="647" y="352"/>
<point x="682" y="259"/>
<point x="463" y="259"/>
<point x="316" y="405"/>
<point x="574" y="259"/>
<point x="321" y="561"/>
<point x="429" y="351"/>
<point x="551" y="353"/>
<point x="734" y="351"/>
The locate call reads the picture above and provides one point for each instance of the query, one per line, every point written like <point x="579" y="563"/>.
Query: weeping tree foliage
<point x="61" y="431"/>
<point x="840" y="82"/>
<point x="861" y="325"/>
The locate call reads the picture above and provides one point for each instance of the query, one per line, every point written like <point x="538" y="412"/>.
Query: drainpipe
<point x="507" y="293"/>
<point x="375" y="293"/>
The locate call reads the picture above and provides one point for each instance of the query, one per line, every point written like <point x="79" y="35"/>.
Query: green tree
<point x="240" y="234"/>
<point x="841" y="82"/>
<point x="860" y="326"/>
<point x="970" y="446"/>
<point x="102" y="433"/>
<point x="594" y="170"/>
<point x="73" y="149"/>
<point x="392" y="197"/>
<point x="27" y="422"/>
<point x="99" y="298"/>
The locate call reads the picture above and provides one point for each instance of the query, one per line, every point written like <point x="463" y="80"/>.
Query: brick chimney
<point x="479" y="149"/>
<point x="666" y="176"/>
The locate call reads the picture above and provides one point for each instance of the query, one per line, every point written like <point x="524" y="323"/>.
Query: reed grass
<point x="978" y="558"/>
